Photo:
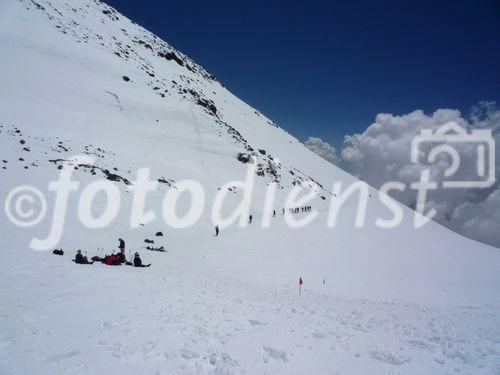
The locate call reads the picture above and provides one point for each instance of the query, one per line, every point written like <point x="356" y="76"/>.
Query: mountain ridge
<point x="374" y="300"/>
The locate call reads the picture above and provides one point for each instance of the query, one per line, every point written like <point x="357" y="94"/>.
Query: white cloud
<point x="481" y="220"/>
<point x="321" y="148"/>
<point x="382" y="153"/>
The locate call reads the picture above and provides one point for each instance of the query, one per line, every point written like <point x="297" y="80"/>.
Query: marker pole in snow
<point x="300" y="285"/>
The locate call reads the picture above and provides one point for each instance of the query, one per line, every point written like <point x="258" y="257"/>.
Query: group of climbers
<point x="113" y="259"/>
<point x="120" y="258"/>
<point x="294" y="210"/>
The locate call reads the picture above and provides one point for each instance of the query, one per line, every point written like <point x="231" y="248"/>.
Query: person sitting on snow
<point x="80" y="259"/>
<point x="138" y="261"/>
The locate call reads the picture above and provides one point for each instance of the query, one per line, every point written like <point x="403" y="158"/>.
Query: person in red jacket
<point x="112" y="260"/>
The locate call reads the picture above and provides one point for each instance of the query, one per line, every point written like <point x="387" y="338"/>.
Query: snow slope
<point x="80" y="78"/>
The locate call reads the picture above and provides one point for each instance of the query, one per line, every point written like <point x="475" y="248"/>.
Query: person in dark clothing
<point x="80" y="259"/>
<point x="216" y="231"/>
<point x="138" y="261"/>
<point x="250" y="218"/>
<point x="274" y="213"/>
<point x="121" y="256"/>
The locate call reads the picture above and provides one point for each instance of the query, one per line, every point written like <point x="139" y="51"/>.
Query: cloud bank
<point x="382" y="153"/>
<point x="321" y="148"/>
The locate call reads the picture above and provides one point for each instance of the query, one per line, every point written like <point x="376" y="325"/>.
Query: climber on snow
<point x="121" y="245"/>
<point x="80" y="259"/>
<point x="121" y="255"/>
<point x="138" y="261"/>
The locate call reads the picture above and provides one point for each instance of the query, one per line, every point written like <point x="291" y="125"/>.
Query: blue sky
<point x="326" y="68"/>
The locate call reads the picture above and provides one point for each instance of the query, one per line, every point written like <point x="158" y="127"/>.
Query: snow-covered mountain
<point x="80" y="78"/>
